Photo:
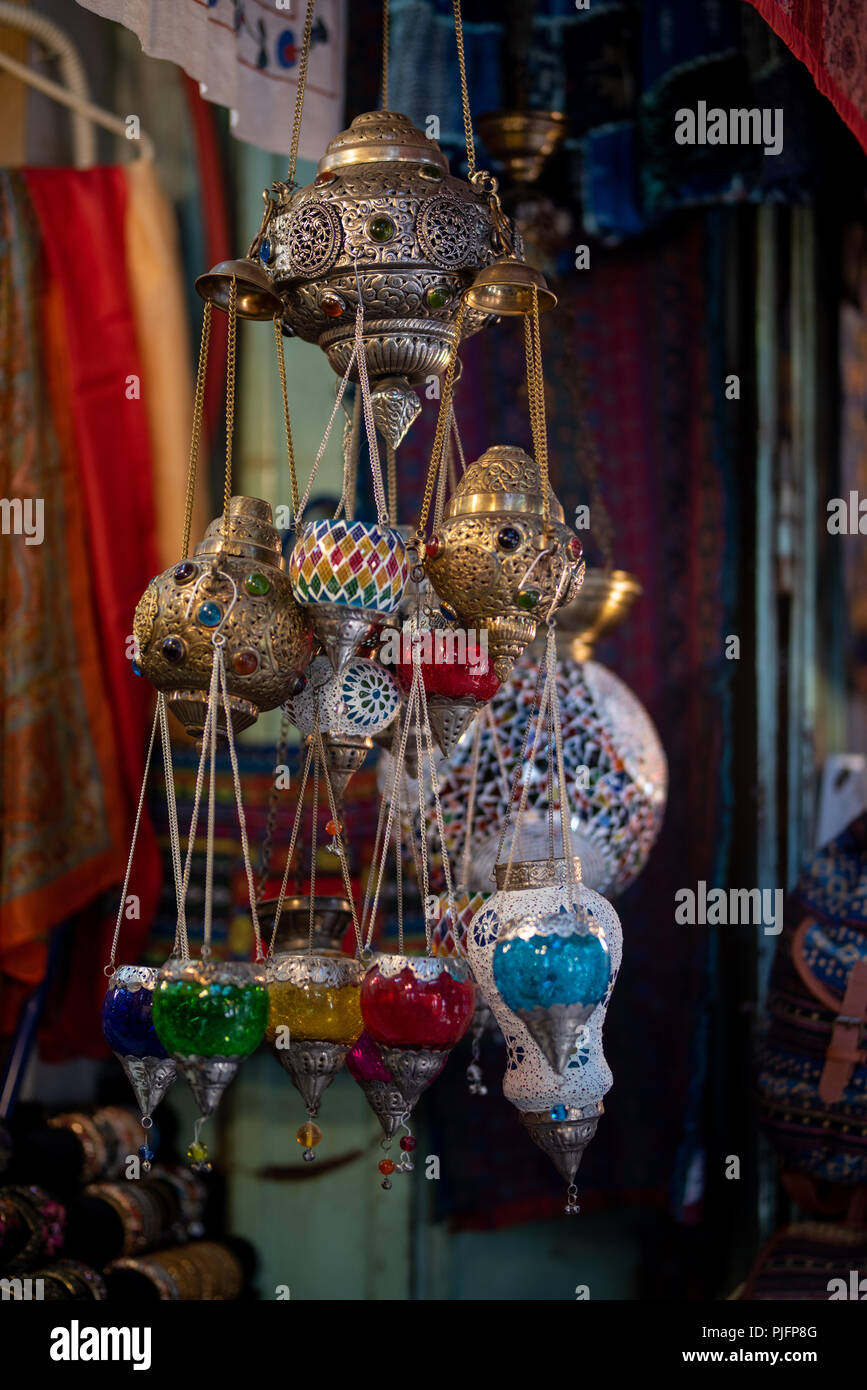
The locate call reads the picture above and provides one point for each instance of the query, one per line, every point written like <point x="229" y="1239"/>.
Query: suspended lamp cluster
<point x="388" y="262"/>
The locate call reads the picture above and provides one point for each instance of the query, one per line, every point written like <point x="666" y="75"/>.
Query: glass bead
<point x="174" y="648"/>
<point x="332" y="827"/>
<point x="245" y="663"/>
<point x="210" y="614"/>
<point x="386" y="1167"/>
<point x="308" y="1155"/>
<point x="509" y="538"/>
<point x="197" y="1152"/>
<point x="407" y="1143"/>
<point x="437" y="297"/>
<point x="146" y="1153"/>
<point x="381" y="228"/>
<point x="184" y="572"/>
<point x="257" y="584"/>
<point x="308" y="1134"/>
<point x="386" y="1183"/>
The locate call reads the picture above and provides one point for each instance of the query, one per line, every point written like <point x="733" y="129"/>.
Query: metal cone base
<point x="388" y="1105"/>
<point x="450" y="719"/>
<point x="556" y="1030"/>
<point x="312" y="1067"/>
<point x="344" y="755"/>
<point x="395" y="408"/>
<point x="342" y="631"/>
<point x="563" y="1140"/>
<point x="207" y="1078"/>
<point x="150" y="1078"/>
<point x="414" y="1068"/>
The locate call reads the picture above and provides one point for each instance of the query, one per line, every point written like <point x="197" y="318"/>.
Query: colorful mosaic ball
<point x="356" y="564"/>
<point x="615" y="768"/>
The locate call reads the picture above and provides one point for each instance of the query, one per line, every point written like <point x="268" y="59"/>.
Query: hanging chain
<point x="391" y="465"/>
<point x="299" y="92"/>
<point x="195" y="442"/>
<point x="282" y="753"/>
<point x="536" y="397"/>
<point x="385" y="40"/>
<point x="290" y="853"/>
<point x="465" y="94"/>
<point x="231" y="349"/>
<point x="290" y="446"/>
<point x="110" y="968"/>
<point x="443" y="423"/>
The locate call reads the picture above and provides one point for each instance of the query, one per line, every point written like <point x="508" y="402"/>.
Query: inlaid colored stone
<point x="184" y="572"/>
<point x="265" y="251"/>
<point x="381" y="228"/>
<point x="528" y="599"/>
<point x="432" y="547"/>
<point x="437" y="297"/>
<point x="509" y="538"/>
<point x="576" y="547"/>
<point x="332" y="305"/>
<point x="245" y="663"/>
<point x="327" y="177"/>
<point x="432" y="172"/>
<point x="210" y="614"/>
<point x="174" y="648"/>
<point x="257" y="584"/>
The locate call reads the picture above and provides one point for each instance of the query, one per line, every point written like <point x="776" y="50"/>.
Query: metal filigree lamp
<point x="494" y="564"/>
<point x="384" y="213"/>
<point x="235" y="582"/>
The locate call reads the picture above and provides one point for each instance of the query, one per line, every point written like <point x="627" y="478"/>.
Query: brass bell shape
<point x="256" y="298"/>
<point x="506" y="288"/>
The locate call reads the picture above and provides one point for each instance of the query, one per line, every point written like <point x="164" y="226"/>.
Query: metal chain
<point x="443" y="422"/>
<point x="195" y="441"/>
<point x="299" y="92"/>
<point x="231" y="348"/>
<point x="314" y="824"/>
<point x="290" y="853"/>
<point x="181" y="943"/>
<point x="536" y="397"/>
<point x="341" y="846"/>
<point x="110" y="968"/>
<point x="290" y="446"/>
<point x="281" y="753"/>
<point x="391" y="464"/>
<point x="385" y="38"/>
<point x="522" y="757"/>
<point x="239" y="803"/>
<point x="465" y="94"/>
